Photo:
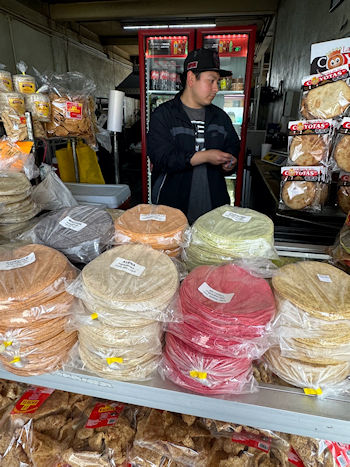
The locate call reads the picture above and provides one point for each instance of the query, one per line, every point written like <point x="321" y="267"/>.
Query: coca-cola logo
<point x="301" y="126"/>
<point x="315" y="80"/>
<point x="300" y="172"/>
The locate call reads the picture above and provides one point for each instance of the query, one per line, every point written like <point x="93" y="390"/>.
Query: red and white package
<point x="340" y="453"/>
<point x="31" y="400"/>
<point x="303" y="188"/>
<point x="326" y="95"/>
<point x="309" y="142"/>
<point x="341" y="146"/>
<point x="104" y="414"/>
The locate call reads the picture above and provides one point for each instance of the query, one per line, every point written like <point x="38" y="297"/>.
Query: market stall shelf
<point x="273" y="407"/>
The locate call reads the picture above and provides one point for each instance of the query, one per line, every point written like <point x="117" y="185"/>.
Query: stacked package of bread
<point x="312" y="327"/>
<point x="226" y="313"/>
<point x="81" y="233"/>
<point x="17" y="208"/>
<point x="161" y="227"/>
<point x="34" y="309"/>
<point x="227" y="233"/>
<point x="127" y="292"/>
<point x="305" y="181"/>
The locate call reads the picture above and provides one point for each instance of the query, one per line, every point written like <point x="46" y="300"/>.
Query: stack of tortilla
<point x="34" y="309"/>
<point x="81" y="233"/>
<point x="16" y="205"/>
<point x="228" y="232"/>
<point x="161" y="227"/>
<point x="127" y="292"/>
<point x="312" y="326"/>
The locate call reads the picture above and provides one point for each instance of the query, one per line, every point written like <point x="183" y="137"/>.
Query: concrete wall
<point x="301" y="23"/>
<point x="48" y="51"/>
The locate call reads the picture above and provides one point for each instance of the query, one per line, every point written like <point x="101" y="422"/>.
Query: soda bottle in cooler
<point x="172" y="75"/>
<point x="155" y="78"/>
<point x="164" y="76"/>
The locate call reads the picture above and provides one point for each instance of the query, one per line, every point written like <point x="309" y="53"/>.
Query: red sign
<point x="32" y="400"/>
<point x="104" y="414"/>
<point x="74" y="110"/>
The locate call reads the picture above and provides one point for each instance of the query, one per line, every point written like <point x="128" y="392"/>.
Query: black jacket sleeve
<point x="165" y="156"/>
<point x="232" y="142"/>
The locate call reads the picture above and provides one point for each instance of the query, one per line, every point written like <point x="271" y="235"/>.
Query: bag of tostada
<point x="341" y="147"/>
<point x="309" y="142"/>
<point x="303" y="188"/>
<point x="326" y="95"/>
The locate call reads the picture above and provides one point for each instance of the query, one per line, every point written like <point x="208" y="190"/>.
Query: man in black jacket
<point x="192" y="143"/>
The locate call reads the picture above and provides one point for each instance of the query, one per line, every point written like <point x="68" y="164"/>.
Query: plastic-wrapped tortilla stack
<point x="16" y="205"/>
<point x="312" y="327"/>
<point x="228" y="232"/>
<point x="81" y="233"/>
<point x="226" y="313"/>
<point x="161" y="227"/>
<point x="127" y="291"/>
<point x="34" y="309"/>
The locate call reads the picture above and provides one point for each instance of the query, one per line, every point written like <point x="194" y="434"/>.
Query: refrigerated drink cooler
<point x="162" y="56"/>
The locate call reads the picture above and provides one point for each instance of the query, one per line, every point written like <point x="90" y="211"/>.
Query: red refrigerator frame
<point x="251" y="31"/>
<point x="143" y="34"/>
<point x="198" y="34"/>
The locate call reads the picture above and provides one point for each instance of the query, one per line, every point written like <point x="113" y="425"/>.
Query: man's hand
<point x="211" y="156"/>
<point x="228" y="166"/>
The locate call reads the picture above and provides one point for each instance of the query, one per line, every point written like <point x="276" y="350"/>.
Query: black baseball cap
<point x="204" y="60"/>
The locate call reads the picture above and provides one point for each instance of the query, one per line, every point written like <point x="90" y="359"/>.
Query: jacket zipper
<point x="160" y="188"/>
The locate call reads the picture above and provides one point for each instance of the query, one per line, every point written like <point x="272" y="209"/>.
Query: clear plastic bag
<point x="32" y="284"/>
<point x="13" y="158"/>
<point x="131" y="279"/>
<point x="168" y="435"/>
<point x="320" y="453"/>
<point x="72" y="106"/>
<point x="227" y="233"/>
<point x="161" y="227"/>
<point x="341" y="146"/>
<point x="309" y="142"/>
<point x="205" y="374"/>
<point x="104" y="437"/>
<point x="5" y="79"/>
<point x="39" y="106"/>
<point x="81" y="233"/>
<point x="111" y="365"/>
<point x="52" y="194"/>
<point x="226" y="311"/>
<point x="12" y="109"/>
<point x="40" y="426"/>
<point x="340" y="251"/>
<point x="303" y="188"/>
<point x="326" y="95"/>
<point x="23" y="83"/>
<point x="314" y="378"/>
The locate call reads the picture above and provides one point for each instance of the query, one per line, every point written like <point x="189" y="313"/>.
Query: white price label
<point x="215" y="295"/>
<point x="324" y="278"/>
<point x="128" y="266"/>
<point x="236" y="217"/>
<point x="17" y="263"/>
<point x="294" y="190"/>
<point x="71" y="224"/>
<point x="153" y="217"/>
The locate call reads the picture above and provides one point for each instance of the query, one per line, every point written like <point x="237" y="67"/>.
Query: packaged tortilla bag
<point x="303" y="188"/>
<point x="343" y="193"/>
<point x="326" y="95"/>
<point x="309" y="142"/>
<point x="72" y="107"/>
<point x="341" y="146"/>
